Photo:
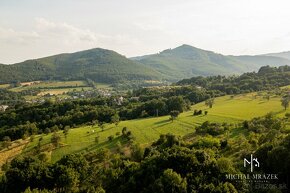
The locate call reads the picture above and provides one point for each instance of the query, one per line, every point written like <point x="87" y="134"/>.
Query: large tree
<point x="285" y="102"/>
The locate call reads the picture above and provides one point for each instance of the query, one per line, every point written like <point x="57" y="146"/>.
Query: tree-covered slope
<point x="255" y="62"/>
<point x="187" y="61"/>
<point x="97" y="64"/>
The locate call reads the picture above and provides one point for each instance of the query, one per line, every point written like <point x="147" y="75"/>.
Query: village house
<point x="3" y="107"/>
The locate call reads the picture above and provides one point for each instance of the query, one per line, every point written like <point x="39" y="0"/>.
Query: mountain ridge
<point x="188" y="61"/>
<point x="108" y="66"/>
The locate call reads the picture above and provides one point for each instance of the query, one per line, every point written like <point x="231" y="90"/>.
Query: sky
<point x="38" y="28"/>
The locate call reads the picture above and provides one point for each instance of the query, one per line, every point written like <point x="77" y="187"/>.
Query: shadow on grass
<point x="163" y="122"/>
<point x="106" y="144"/>
<point x="278" y="112"/>
<point x="106" y="129"/>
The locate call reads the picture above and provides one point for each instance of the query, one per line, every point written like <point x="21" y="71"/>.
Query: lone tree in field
<point x="209" y="102"/>
<point x="55" y="139"/>
<point x="124" y="131"/>
<point x="173" y="115"/>
<point x="65" y="131"/>
<point x="6" y="142"/>
<point x="285" y="102"/>
<point x="102" y="126"/>
<point x="97" y="139"/>
<point x="115" y="119"/>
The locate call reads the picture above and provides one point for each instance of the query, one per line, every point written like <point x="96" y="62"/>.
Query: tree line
<point x="30" y="119"/>
<point x="266" y="78"/>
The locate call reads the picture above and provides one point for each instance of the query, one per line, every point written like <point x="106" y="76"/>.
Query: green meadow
<point x="225" y="109"/>
<point x="245" y="106"/>
<point x="59" y="88"/>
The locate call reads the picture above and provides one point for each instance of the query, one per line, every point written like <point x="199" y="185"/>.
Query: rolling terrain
<point x="232" y="110"/>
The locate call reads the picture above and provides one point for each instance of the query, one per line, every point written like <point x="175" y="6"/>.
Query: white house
<point x="3" y="107"/>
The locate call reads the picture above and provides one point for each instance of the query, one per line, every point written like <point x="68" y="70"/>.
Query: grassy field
<point x="10" y="153"/>
<point x="4" y="86"/>
<point x="244" y="106"/>
<point x="61" y="91"/>
<point x="54" y="84"/>
<point x="56" y="87"/>
<point x="145" y="131"/>
<point x="103" y="86"/>
<point x="49" y="85"/>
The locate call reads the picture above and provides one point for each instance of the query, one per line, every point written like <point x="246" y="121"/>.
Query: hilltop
<point x="97" y="64"/>
<point x="187" y="61"/>
<point x="107" y="66"/>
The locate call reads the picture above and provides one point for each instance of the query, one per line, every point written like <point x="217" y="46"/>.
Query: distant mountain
<point x="97" y="64"/>
<point x="108" y="66"/>
<point x="285" y="55"/>
<point x="187" y="61"/>
<point x="257" y="61"/>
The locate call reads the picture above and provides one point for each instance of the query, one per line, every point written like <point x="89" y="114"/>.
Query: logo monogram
<point x="253" y="163"/>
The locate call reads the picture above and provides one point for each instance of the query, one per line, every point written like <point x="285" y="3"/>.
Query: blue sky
<point x="38" y="28"/>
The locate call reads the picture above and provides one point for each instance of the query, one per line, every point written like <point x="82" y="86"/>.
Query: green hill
<point x="187" y="61"/>
<point x="97" y="64"/>
<point x="107" y="66"/>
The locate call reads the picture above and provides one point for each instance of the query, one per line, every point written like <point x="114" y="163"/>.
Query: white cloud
<point x="11" y="36"/>
<point x="69" y="33"/>
<point x="48" y="37"/>
<point x="142" y="27"/>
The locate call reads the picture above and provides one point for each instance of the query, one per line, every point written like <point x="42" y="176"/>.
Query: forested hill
<point x="107" y="66"/>
<point x="266" y="78"/>
<point x="97" y="64"/>
<point x="187" y="61"/>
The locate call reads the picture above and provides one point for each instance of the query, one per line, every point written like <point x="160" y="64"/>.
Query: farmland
<point x="227" y="109"/>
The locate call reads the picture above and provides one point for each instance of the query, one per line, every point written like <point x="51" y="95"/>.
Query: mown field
<point x="4" y="85"/>
<point x="48" y="85"/>
<point x="227" y="109"/>
<point x="61" y="91"/>
<point x="59" y="88"/>
<point x="245" y="106"/>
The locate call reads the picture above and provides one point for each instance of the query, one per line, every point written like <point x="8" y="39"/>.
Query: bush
<point x="197" y="112"/>
<point x="110" y="138"/>
<point x="213" y="129"/>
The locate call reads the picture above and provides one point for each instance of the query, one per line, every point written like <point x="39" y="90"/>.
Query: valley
<point x="82" y="128"/>
<point x="144" y="96"/>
